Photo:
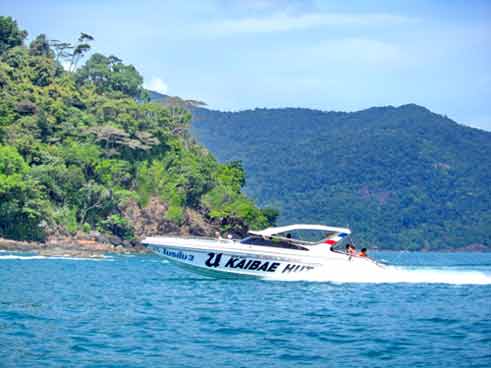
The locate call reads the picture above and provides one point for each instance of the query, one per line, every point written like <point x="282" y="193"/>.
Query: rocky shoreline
<point x="71" y="247"/>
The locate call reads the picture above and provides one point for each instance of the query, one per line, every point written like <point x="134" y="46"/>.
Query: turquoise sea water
<point x="140" y="311"/>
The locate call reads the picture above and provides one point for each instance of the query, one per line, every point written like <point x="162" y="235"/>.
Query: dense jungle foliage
<point x="82" y="147"/>
<point x="402" y="178"/>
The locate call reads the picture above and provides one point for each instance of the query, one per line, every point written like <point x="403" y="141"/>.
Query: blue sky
<point x="329" y="55"/>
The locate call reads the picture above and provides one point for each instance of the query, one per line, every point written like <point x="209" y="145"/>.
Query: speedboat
<point x="275" y="252"/>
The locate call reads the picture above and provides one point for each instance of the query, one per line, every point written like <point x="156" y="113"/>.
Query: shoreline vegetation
<point x="87" y="159"/>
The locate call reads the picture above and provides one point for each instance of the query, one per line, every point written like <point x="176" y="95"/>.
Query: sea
<point x="425" y="310"/>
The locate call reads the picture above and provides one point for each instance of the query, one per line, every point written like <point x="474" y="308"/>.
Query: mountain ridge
<point x="419" y="177"/>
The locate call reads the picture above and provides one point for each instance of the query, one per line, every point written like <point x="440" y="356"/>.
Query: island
<point x="89" y="163"/>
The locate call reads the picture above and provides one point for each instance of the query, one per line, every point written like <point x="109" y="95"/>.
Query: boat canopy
<point x="271" y="231"/>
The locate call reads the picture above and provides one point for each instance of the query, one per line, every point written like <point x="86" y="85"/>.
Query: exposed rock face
<point x="147" y="221"/>
<point x="18" y="246"/>
<point x="196" y="224"/>
<point x="236" y="226"/>
<point x="151" y="220"/>
<point x="80" y="245"/>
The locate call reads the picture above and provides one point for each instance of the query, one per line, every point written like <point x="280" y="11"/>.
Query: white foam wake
<point x="395" y="274"/>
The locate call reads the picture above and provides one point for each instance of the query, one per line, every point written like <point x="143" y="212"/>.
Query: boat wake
<point x="397" y="274"/>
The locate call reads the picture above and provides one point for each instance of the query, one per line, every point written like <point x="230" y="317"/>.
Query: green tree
<point x="40" y="47"/>
<point x="44" y="71"/>
<point x="109" y="74"/>
<point x="10" y="34"/>
<point x="80" y="49"/>
<point x="22" y="206"/>
<point x="271" y="215"/>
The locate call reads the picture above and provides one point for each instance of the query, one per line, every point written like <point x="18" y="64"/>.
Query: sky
<point x="328" y="55"/>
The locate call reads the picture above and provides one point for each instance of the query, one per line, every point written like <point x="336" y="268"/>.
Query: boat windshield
<point x="306" y="237"/>
<point x="271" y="242"/>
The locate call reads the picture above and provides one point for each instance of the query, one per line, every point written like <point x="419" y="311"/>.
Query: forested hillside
<point x="82" y="148"/>
<point x="401" y="177"/>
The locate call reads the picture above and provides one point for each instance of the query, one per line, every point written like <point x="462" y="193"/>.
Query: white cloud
<point x="338" y="58"/>
<point x="156" y="84"/>
<point x="284" y="22"/>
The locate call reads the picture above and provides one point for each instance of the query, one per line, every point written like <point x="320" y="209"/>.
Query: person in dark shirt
<point x="350" y="249"/>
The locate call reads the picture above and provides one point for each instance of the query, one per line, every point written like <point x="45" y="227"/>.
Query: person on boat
<point x="363" y="253"/>
<point x="350" y="249"/>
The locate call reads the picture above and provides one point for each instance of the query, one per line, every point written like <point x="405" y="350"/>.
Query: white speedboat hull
<point x="230" y="263"/>
<point x="231" y="259"/>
